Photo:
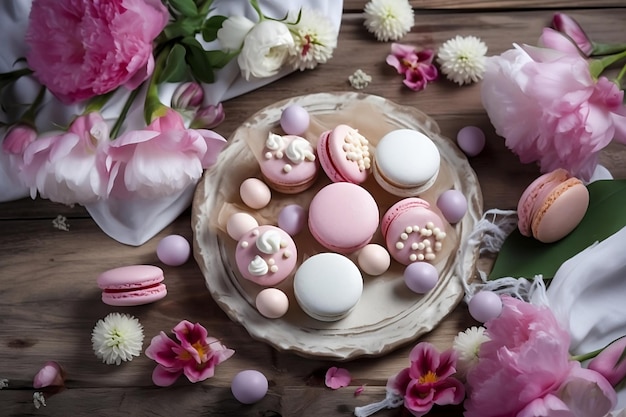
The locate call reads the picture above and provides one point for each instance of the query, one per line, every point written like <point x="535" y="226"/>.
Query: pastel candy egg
<point x="484" y="306"/>
<point x="471" y="140"/>
<point x="295" y="120"/>
<point x="453" y="205"/>
<point x="420" y="277"/>
<point x="173" y="250"/>
<point x="272" y="303"/>
<point x="292" y="219"/>
<point x="374" y="259"/>
<point x="249" y="386"/>
<point x="255" y="193"/>
<point x="239" y="224"/>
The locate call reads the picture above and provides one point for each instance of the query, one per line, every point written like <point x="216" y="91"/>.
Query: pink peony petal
<point x="337" y="378"/>
<point x="163" y="377"/>
<point x="50" y="374"/>
<point x="359" y="390"/>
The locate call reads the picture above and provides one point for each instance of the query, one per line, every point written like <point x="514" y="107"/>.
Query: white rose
<point x="233" y="32"/>
<point x="265" y="49"/>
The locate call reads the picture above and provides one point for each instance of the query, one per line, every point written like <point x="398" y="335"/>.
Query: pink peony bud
<point x="611" y="362"/>
<point x="188" y="96"/>
<point x="568" y="26"/>
<point x="208" y="117"/>
<point x="50" y="375"/>
<point x="18" y="138"/>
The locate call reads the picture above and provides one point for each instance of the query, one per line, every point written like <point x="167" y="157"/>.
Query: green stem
<point x="98" y="102"/>
<point x="152" y="106"/>
<point x="607" y="48"/>
<point x="621" y="74"/>
<point x="120" y="120"/>
<point x="597" y="66"/>
<point x="257" y="9"/>
<point x="587" y="356"/>
<point x="31" y="113"/>
<point x="7" y="78"/>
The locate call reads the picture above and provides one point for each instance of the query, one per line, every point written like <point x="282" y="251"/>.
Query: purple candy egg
<point x="292" y="219"/>
<point x="453" y="205"/>
<point x="173" y="250"/>
<point x="294" y="120"/>
<point x="420" y="277"/>
<point x="249" y="386"/>
<point x="484" y="306"/>
<point x="471" y="140"/>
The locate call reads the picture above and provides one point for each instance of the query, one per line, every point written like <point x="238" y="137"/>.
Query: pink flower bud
<point x="568" y="26"/>
<point x="50" y="375"/>
<point x="208" y="117"/>
<point x="608" y="363"/>
<point x="188" y="96"/>
<point x="18" y="138"/>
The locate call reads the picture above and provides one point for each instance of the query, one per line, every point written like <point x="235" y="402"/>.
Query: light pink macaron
<point x="412" y="231"/>
<point x="289" y="163"/>
<point x="132" y="285"/>
<point x="343" y="217"/>
<point x="266" y="255"/>
<point x="344" y="154"/>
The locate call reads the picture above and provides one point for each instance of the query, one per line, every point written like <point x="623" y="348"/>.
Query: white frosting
<point x="299" y="150"/>
<point x="258" y="266"/>
<point x="430" y="241"/>
<point x="269" y="242"/>
<point x="274" y="142"/>
<point x="356" y="147"/>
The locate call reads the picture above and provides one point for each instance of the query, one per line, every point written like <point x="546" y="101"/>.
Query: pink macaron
<point x="344" y="154"/>
<point x="266" y="255"/>
<point x="289" y="164"/>
<point x="343" y="217"/>
<point x="552" y="206"/>
<point x="132" y="285"/>
<point x="412" y="231"/>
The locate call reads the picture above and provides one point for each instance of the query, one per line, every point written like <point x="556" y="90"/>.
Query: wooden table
<point x="49" y="301"/>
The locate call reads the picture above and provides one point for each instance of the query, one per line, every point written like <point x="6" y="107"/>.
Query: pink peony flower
<point x="81" y="48"/>
<point x="416" y="66"/>
<point x="50" y="375"/>
<point x="610" y="362"/>
<point x="428" y="380"/>
<point x="337" y="378"/>
<point x="63" y="167"/>
<point x="163" y="158"/>
<point x="525" y="370"/>
<point x="550" y="110"/>
<point x="196" y="355"/>
<point x="569" y="27"/>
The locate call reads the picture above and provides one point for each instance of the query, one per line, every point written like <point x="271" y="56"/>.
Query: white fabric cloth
<point x="135" y="221"/>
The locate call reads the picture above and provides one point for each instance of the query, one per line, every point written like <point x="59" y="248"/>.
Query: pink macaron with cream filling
<point x="552" y="206"/>
<point x="343" y="217"/>
<point x="412" y="231"/>
<point x="344" y="154"/>
<point x="132" y="285"/>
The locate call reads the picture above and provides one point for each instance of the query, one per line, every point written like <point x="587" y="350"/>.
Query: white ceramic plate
<point x="388" y="314"/>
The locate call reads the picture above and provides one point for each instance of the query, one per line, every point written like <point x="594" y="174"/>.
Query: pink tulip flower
<point x="428" y="380"/>
<point x="18" y="138"/>
<point x="208" y="117"/>
<point x="195" y="355"/>
<point x="610" y="362"/>
<point x="75" y="66"/>
<point x="416" y="66"/>
<point x="570" y="27"/>
<point x="187" y="96"/>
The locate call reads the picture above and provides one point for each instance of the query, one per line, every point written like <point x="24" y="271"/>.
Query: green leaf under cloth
<point x="522" y="256"/>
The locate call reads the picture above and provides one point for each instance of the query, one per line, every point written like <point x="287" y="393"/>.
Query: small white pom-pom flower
<point x="388" y="20"/>
<point x="467" y="344"/>
<point x="116" y="338"/>
<point x="462" y="59"/>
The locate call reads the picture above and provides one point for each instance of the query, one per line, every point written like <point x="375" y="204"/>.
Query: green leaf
<point x="175" y="69"/>
<point x="219" y="58"/>
<point x="185" y="7"/>
<point x="199" y="61"/>
<point x="211" y="26"/>
<point x="526" y="257"/>
<point x="179" y="29"/>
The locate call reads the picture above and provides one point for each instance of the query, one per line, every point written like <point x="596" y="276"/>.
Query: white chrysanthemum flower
<point x="462" y="59"/>
<point x="315" y="39"/>
<point x="388" y="20"/>
<point x="117" y="338"/>
<point x="467" y="345"/>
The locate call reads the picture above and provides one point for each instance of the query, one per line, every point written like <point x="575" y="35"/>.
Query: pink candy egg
<point x="249" y="386"/>
<point x="239" y="224"/>
<point x="294" y="120"/>
<point x="272" y="303"/>
<point x="420" y="277"/>
<point x="255" y="193"/>
<point x="173" y="250"/>
<point x="453" y="205"/>
<point x="484" y="306"/>
<point x="374" y="259"/>
<point x="471" y="140"/>
<point x="292" y="219"/>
